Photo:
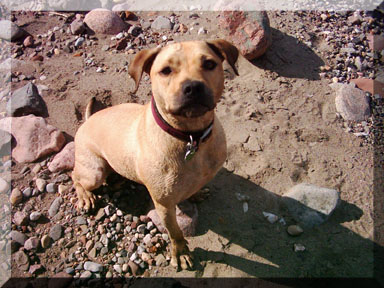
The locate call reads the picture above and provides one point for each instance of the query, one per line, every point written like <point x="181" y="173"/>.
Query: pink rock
<point x="186" y="216"/>
<point x="65" y="160"/>
<point x="32" y="243"/>
<point x="369" y="85"/>
<point x="20" y="218"/>
<point x="104" y="21"/>
<point x="28" y="41"/>
<point x="34" y="269"/>
<point x="249" y="31"/>
<point x="376" y="42"/>
<point x="35" y="138"/>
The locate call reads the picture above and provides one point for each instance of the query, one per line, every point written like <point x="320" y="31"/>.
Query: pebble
<point x="16" y="196"/>
<point x="20" y="218"/>
<point x="79" y="41"/>
<point x="86" y="275"/>
<point x="298" y="247"/>
<point x="40" y="184"/>
<point x="32" y="243"/>
<point x="294" y="230"/>
<point x="80" y="220"/>
<point x="70" y="270"/>
<point x="45" y="241"/>
<point x="51" y="188"/>
<point x="56" y="232"/>
<point x="99" y="70"/>
<point x="22" y="260"/>
<point x="93" y="267"/>
<point x="27" y="192"/>
<point x="160" y="260"/>
<point x="134" y="267"/>
<point x="35" y="216"/>
<point x="161" y="23"/>
<point x="18" y="237"/>
<point x="117" y="268"/>
<point x="272" y="218"/>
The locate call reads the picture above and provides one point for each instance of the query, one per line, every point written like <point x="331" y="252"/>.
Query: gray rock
<point x="56" y="232"/>
<point x="55" y="206"/>
<point x="103" y="251"/>
<point x="4" y="185"/>
<point x="26" y="100"/>
<point x="70" y="270"/>
<point x="5" y="142"/>
<point x="160" y="260"/>
<point x="79" y="41"/>
<point x="40" y="184"/>
<point x="86" y="275"/>
<point x="117" y="268"/>
<point x="81" y="221"/>
<point x="18" y="237"/>
<point x="77" y="27"/>
<point x="93" y="267"/>
<point x="51" y="188"/>
<point x="20" y="218"/>
<point x="311" y="205"/>
<point x="32" y="243"/>
<point x="35" y="216"/>
<point x="161" y="23"/>
<point x="352" y="103"/>
<point x="27" y="192"/>
<point x="21" y="260"/>
<point x="10" y="31"/>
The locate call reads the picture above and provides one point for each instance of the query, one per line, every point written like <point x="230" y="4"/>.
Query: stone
<point x="160" y="260"/>
<point x="117" y="268"/>
<point x="4" y="186"/>
<point x="55" y="206"/>
<point x="35" y="216"/>
<point x="10" y="31"/>
<point x="272" y="218"/>
<point x="56" y="232"/>
<point x="5" y="142"/>
<point x="104" y="21"/>
<point x="294" y="230"/>
<point x="18" y="237"/>
<point x="186" y="216"/>
<point x="26" y="100"/>
<point x="22" y="260"/>
<point x="86" y="275"/>
<point x="77" y="27"/>
<point x="40" y="184"/>
<point x="64" y="160"/>
<point x="20" y="218"/>
<point x="134" y="267"/>
<point x="16" y="196"/>
<point x="298" y="247"/>
<point x="28" y="41"/>
<point x="32" y="243"/>
<point x="369" y="85"/>
<point x="376" y="42"/>
<point x="93" y="267"/>
<point x="100" y="214"/>
<point x="27" y="192"/>
<point x="45" y="241"/>
<point x="249" y="31"/>
<point x="51" y="188"/>
<point x="34" y="137"/>
<point x="311" y="205"/>
<point x="161" y="23"/>
<point x="35" y="269"/>
<point x="352" y="103"/>
<point x="80" y="220"/>
<point x="79" y="41"/>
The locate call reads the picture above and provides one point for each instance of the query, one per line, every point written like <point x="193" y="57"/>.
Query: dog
<point x="173" y="145"/>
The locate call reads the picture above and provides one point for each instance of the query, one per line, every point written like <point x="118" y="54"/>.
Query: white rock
<point x="272" y="218"/>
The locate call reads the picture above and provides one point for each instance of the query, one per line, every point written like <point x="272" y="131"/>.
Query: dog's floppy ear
<point x="142" y="63"/>
<point x="225" y="50"/>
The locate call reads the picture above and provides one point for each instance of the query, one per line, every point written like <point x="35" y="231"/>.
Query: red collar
<point x="187" y="136"/>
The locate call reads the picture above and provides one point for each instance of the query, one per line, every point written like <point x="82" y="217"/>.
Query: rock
<point x="86" y="275"/>
<point x="311" y="205"/>
<point x="55" y="206"/>
<point x="298" y="247"/>
<point x="272" y="218"/>
<point x="93" y="267"/>
<point x="18" y="237"/>
<point x="294" y="230"/>
<point x="10" y="31"/>
<point x="22" y="260"/>
<point x="352" y="103"/>
<point x="80" y="220"/>
<point x="79" y="41"/>
<point x="69" y="270"/>
<point x="161" y="23"/>
<point x="51" y="188"/>
<point x="46" y="241"/>
<point x="248" y="30"/>
<point x="20" y="218"/>
<point x="100" y="214"/>
<point x="35" y="138"/>
<point x="77" y="27"/>
<point x="5" y="142"/>
<point x="16" y="196"/>
<point x="104" y="21"/>
<point x="35" y="269"/>
<point x="64" y="160"/>
<point x="160" y="260"/>
<point x="32" y="243"/>
<point x="117" y="268"/>
<point x="35" y="216"/>
<point x="4" y="186"/>
<point x="28" y="41"/>
<point x="134" y="267"/>
<point x="376" y="42"/>
<point x="60" y="280"/>
<point x="27" y="192"/>
<point x="56" y="232"/>
<point x="369" y="85"/>
<point x="26" y="100"/>
<point x="186" y="216"/>
<point x="40" y="184"/>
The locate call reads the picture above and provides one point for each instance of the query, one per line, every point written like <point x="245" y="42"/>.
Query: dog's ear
<point x="225" y="50"/>
<point x="142" y="63"/>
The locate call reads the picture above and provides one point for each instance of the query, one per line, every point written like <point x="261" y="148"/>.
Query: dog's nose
<point x="191" y="88"/>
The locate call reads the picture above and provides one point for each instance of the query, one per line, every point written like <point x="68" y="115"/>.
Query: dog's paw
<point x="86" y="201"/>
<point x="185" y="261"/>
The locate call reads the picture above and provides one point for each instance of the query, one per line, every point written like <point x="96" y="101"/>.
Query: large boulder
<point x="104" y="21"/>
<point x="64" y="160"/>
<point x="10" y="31"/>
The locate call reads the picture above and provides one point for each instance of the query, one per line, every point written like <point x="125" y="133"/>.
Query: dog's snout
<point x="191" y="88"/>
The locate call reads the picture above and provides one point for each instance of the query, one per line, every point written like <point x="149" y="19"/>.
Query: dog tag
<point x="191" y="149"/>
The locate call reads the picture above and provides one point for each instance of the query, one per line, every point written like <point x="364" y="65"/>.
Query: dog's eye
<point x="166" y="71"/>
<point x="209" y="64"/>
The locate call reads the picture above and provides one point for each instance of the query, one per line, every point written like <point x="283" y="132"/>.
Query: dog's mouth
<point x="192" y="110"/>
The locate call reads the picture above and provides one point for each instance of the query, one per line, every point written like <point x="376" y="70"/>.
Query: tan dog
<point x="149" y="143"/>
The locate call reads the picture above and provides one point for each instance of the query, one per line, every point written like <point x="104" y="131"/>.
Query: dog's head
<point x="187" y="78"/>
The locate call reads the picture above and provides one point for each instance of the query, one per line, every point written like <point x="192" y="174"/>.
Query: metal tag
<point x="191" y="149"/>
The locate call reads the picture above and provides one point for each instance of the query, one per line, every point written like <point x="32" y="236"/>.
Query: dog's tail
<point x="88" y="109"/>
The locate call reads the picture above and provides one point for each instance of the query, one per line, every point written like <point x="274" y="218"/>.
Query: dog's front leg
<point x="179" y="249"/>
